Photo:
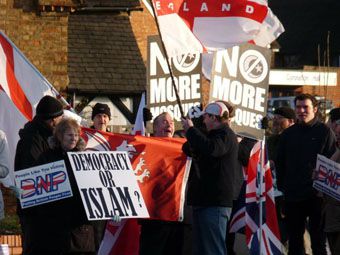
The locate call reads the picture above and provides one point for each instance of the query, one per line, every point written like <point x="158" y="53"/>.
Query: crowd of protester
<point x="218" y="157"/>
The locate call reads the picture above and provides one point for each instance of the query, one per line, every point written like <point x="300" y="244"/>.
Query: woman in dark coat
<point x="63" y="226"/>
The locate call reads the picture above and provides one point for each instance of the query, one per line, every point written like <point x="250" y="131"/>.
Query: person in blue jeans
<point x="211" y="184"/>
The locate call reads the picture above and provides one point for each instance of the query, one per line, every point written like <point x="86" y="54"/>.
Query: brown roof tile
<point x="103" y="56"/>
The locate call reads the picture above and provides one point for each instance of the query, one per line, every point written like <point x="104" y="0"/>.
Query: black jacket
<point x="296" y="158"/>
<point x="70" y="212"/>
<point x="32" y="143"/>
<point x="212" y="181"/>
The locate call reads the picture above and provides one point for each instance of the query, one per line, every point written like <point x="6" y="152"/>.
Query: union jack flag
<point x="260" y="220"/>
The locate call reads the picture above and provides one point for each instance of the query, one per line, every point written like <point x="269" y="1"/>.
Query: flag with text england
<point x="210" y="25"/>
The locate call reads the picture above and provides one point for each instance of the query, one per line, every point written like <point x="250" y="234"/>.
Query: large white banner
<point x="328" y="177"/>
<point x="43" y="184"/>
<point x="107" y="185"/>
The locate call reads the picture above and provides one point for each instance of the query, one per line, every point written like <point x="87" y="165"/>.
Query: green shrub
<point x="10" y="225"/>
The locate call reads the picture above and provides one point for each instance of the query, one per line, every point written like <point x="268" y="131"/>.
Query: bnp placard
<point x="107" y="185"/>
<point x="240" y="76"/>
<point x="43" y="184"/>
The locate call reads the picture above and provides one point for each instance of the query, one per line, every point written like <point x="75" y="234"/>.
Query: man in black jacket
<point x="32" y="143"/>
<point x="211" y="190"/>
<point x="296" y="159"/>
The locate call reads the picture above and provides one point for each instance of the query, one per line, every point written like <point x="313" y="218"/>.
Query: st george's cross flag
<point x="211" y="25"/>
<point x="207" y="26"/>
<point x="21" y="88"/>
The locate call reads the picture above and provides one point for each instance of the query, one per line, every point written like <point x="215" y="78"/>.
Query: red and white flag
<point x="162" y="180"/>
<point x="210" y="25"/>
<point x="21" y="88"/>
<point x="161" y="177"/>
<point x="123" y="237"/>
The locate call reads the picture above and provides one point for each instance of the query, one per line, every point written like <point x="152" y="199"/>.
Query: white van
<point x="276" y="102"/>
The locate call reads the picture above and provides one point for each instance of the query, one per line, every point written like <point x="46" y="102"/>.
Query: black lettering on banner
<point x="104" y="167"/>
<point x="106" y="178"/>
<point x="102" y="199"/>
<point x="126" y="200"/>
<point x="93" y="196"/>
<point x="123" y="157"/>
<point x="108" y="162"/>
<point x="76" y="162"/>
<point x="114" y="162"/>
<point x="88" y="203"/>
<point x="96" y="161"/>
<point x="117" y="210"/>
<point x="89" y="161"/>
<point x="82" y="161"/>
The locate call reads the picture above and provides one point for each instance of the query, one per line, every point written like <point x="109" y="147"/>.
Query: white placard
<point x="43" y="184"/>
<point x="328" y="177"/>
<point x="107" y="185"/>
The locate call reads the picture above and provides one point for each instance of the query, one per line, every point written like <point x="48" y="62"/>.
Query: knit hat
<point x="49" y="108"/>
<point x="286" y="112"/>
<point x="217" y="108"/>
<point x="101" y="108"/>
<point x="334" y="114"/>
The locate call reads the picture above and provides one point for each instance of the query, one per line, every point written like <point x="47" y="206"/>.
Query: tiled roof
<point x="103" y="56"/>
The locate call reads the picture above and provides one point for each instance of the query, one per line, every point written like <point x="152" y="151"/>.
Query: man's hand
<point x="187" y="123"/>
<point x="116" y="219"/>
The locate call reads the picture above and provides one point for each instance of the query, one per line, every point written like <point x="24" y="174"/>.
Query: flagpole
<point x="38" y="73"/>
<point x="260" y="177"/>
<point x="167" y="61"/>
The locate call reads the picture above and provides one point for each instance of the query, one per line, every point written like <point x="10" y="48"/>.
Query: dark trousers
<point x="162" y="238"/>
<point x="297" y="213"/>
<point x="334" y="242"/>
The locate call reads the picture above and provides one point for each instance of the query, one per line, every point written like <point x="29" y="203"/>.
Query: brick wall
<point x="42" y="38"/>
<point x="330" y="92"/>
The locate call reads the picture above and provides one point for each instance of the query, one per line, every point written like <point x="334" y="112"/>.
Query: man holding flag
<point x="211" y="190"/>
<point x="160" y="237"/>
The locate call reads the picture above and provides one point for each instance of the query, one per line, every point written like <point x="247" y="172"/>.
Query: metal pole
<point x="260" y="177"/>
<point x="168" y="63"/>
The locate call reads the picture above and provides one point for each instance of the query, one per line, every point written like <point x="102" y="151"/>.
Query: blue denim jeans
<point x="209" y="230"/>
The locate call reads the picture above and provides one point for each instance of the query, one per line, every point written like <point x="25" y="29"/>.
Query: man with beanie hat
<point x="284" y="117"/>
<point x="32" y="143"/>
<point x="101" y="115"/>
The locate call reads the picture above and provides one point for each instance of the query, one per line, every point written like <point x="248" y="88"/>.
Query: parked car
<point x="325" y="105"/>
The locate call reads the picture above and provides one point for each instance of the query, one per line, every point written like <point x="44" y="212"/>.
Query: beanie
<point x="101" y="108"/>
<point x="49" y="108"/>
<point x="335" y="114"/>
<point x="286" y="112"/>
